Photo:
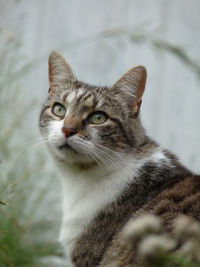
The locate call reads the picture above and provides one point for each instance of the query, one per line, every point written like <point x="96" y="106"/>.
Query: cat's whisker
<point x="102" y="157"/>
<point x="28" y="143"/>
<point x="115" y="155"/>
<point x="19" y="160"/>
<point x="20" y="148"/>
<point x="105" y="160"/>
<point x="28" y="129"/>
<point x="108" y="157"/>
<point x="99" y="154"/>
<point x="87" y="149"/>
<point x="100" y="160"/>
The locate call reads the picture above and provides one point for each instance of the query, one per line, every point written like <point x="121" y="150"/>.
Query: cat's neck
<point x="160" y="171"/>
<point x="87" y="192"/>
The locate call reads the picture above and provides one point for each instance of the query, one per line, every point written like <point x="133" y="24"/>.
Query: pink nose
<point x="68" y="131"/>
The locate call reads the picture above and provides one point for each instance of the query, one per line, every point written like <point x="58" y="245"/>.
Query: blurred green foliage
<point x="22" y="233"/>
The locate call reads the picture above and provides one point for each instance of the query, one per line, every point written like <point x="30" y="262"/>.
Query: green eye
<point x="59" y="110"/>
<point x="97" y="118"/>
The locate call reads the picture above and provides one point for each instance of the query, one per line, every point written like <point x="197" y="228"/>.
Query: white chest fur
<point x="85" y="194"/>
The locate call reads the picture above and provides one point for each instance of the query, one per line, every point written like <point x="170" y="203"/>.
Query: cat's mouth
<point x="67" y="147"/>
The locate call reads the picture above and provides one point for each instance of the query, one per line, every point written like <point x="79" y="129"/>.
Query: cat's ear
<point x="133" y="84"/>
<point x="60" y="71"/>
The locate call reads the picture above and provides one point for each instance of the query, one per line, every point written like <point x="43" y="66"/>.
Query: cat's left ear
<point x="133" y="84"/>
<point x="60" y="71"/>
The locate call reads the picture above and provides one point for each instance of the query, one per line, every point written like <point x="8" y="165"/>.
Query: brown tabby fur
<point x="166" y="190"/>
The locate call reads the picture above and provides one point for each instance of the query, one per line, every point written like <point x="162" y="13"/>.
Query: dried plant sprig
<point x="186" y="228"/>
<point x="140" y="227"/>
<point x="155" y="246"/>
<point x="187" y="232"/>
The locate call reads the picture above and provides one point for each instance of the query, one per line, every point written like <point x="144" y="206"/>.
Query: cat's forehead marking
<point x="71" y="96"/>
<point x="80" y="92"/>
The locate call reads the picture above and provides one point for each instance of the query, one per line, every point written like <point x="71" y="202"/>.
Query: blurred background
<point x="100" y="40"/>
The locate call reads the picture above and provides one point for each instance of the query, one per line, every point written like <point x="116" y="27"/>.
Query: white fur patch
<point x="55" y="134"/>
<point x="159" y="156"/>
<point x="85" y="194"/>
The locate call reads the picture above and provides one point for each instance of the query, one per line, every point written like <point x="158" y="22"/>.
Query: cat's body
<point x="111" y="171"/>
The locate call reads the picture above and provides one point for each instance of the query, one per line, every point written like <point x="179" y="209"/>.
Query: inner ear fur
<point x="133" y="83"/>
<point x="60" y="71"/>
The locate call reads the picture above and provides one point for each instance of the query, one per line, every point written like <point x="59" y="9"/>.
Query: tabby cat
<point x="111" y="170"/>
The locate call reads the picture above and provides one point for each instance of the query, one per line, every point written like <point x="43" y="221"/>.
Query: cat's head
<point x="83" y="123"/>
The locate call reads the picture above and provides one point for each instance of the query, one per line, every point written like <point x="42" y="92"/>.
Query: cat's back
<point x="181" y="197"/>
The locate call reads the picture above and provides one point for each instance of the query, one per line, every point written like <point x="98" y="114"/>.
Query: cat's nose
<point x="68" y="131"/>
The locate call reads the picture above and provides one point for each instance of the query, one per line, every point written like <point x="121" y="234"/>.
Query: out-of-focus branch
<point x="138" y="35"/>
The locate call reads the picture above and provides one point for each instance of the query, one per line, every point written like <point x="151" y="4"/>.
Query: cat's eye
<point x="97" y="117"/>
<point x="59" y="110"/>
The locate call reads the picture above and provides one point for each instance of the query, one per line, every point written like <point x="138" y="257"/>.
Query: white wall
<point x="171" y="106"/>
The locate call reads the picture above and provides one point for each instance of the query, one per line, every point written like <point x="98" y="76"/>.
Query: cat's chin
<point x="75" y="162"/>
<point x="67" y="148"/>
<point x="67" y="155"/>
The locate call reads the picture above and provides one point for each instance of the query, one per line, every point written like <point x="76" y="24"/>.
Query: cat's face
<point x="84" y="124"/>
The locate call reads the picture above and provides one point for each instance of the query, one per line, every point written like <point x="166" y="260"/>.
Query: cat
<point x="112" y="172"/>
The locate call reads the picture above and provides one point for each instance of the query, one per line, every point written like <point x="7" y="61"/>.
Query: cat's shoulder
<point x="183" y="196"/>
<point x="180" y="197"/>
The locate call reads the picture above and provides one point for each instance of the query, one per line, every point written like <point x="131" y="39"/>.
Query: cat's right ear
<point x="132" y="83"/>
<point x="60" y="71"/>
